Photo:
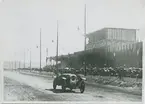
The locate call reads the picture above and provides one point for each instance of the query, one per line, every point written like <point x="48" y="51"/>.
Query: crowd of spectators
<point x="107" y="71"/>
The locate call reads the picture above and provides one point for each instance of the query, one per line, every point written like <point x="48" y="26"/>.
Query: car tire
<point x="63" y="88"/>
<point x="54" y="85"/>
<point x="82" y="88"/>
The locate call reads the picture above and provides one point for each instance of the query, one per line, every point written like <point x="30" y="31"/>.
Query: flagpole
<point x="40" y="49"/>
<point x="46" y="55"/>
<point x="24" y="58"/>
<point x="30" y="59"/>
<point x="85" y="39"/>
<point x="19" y="64"/>
<point x="57" y="49"/>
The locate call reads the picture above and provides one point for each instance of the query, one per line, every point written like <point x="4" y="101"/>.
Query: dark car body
<point x="70" y="81"/>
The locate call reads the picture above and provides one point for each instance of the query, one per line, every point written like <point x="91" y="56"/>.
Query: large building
<point x="119" y="45"/>
<point x="108" y="36"/>
<point x="112" y="47"/>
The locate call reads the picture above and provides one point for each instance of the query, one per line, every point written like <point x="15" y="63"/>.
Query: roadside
<point x="16" y="91"/>
<point x="129" y="85"/>
<point x="92" y="93"/>
<point x="118" y="86"/>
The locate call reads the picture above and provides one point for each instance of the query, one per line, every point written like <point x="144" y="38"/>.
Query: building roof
<point x="91" y="33"/>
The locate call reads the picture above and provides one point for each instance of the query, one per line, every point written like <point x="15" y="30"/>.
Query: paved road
<point x="43" y="86"/>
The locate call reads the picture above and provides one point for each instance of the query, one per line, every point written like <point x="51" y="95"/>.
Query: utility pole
<point x="12" y="65"/>
<point x="15" y="65"/>
<point x="85" y="40"/>
<point x="40" y="49"/>
<point x="30" y="59"/>
<point x="46" y="55"/>
<point x="9" y="65"/>
<point x="57" y="49"/>
<point x="19" y="64"/>
<point x="24" y="58"/>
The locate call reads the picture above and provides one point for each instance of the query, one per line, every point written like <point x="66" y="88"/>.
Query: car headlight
<point x="84" y="79"/>
<point x="63" y="78"/>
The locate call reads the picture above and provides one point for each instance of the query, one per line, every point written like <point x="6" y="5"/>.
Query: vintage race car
<point x="70" y="81"/>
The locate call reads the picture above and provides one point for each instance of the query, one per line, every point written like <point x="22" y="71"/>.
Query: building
<point x="109" y="36"/>
<point x="119" y="45"/>
<point x="112" y="47"/>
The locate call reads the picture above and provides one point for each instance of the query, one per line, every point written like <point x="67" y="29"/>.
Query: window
<point x="119" y="34"/>
<point x="124" y="47"/>
<point x="123" y="33"/>
<point x="108" y="49"/>
<point x="112" y="33"/>
<point x="115" y="34"/>
<point x="128" y="46"/>
<point x="108" y="34"/>
<point x="131" y="46"/>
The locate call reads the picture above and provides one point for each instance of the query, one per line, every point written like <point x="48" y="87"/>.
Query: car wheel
<point x="54" y="86"/>
<point x="82" y="88"/>
<point x="63" y="88"/>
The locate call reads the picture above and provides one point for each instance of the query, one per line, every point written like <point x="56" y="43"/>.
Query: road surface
<point x="32" y="88"/>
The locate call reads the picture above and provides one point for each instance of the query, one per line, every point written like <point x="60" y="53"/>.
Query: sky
<point x="21" y="20"/>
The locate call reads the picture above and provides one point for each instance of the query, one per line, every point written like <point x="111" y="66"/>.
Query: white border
<point x="70" y="102"/>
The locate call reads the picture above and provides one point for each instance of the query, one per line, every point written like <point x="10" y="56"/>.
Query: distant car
<point x="70" y="81"/>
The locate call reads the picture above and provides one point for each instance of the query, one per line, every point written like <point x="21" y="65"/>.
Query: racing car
<point x="71" y="81"/>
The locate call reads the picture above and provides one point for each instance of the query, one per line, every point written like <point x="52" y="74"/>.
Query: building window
<point x="112" y="33"/>
<point x="131" y="46"/>
<point x="119" y="34"/>
<point x="128" y="46"/>
<point x="123" y="34"/>
<point x="115" y="34"/>
<point x="119" y="47"/>
<point x="108" y="34"/>
<point x="124" y="47"/>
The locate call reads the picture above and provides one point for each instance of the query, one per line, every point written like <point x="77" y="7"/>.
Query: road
<point x="35" y="88"/>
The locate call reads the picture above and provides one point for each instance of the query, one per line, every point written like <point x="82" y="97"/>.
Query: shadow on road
<point x="60" y="91"/>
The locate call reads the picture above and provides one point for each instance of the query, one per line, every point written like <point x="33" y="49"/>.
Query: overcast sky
<point x="21" y="20"/>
